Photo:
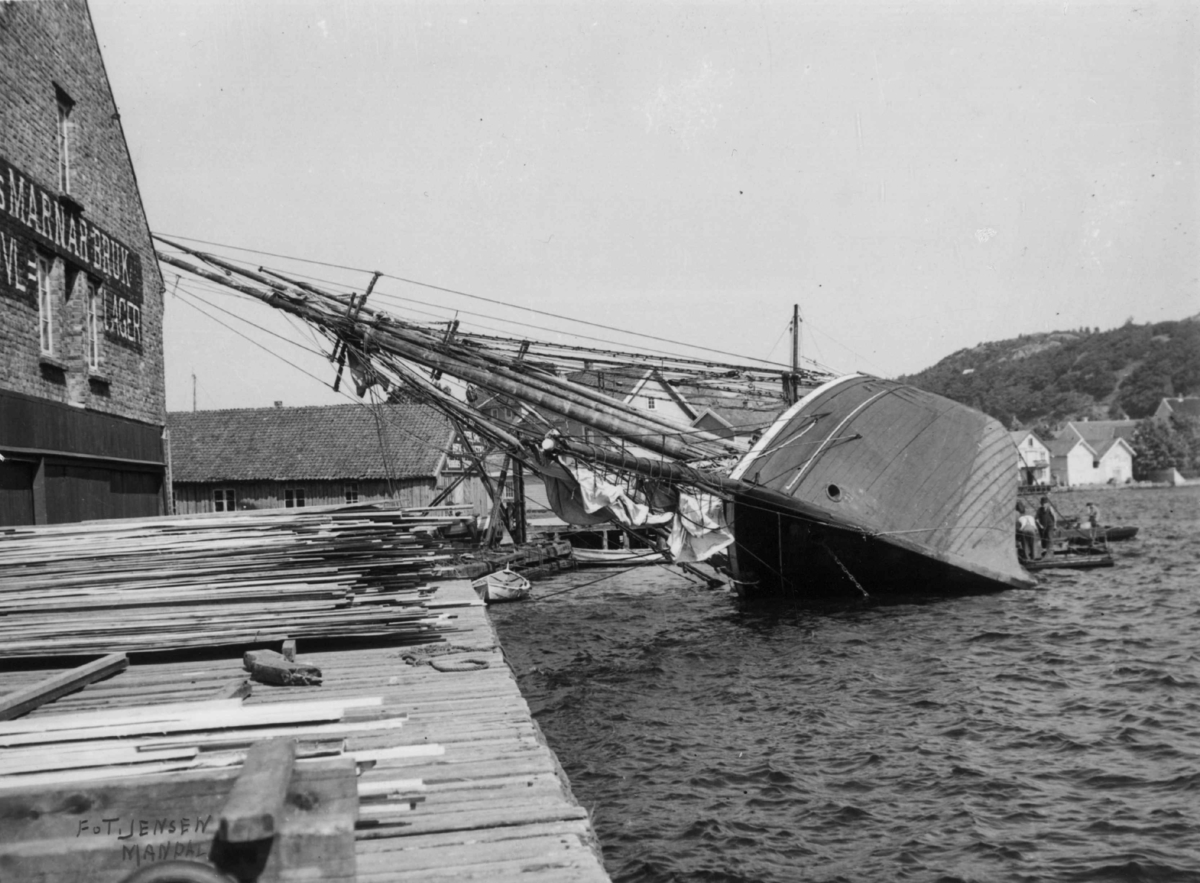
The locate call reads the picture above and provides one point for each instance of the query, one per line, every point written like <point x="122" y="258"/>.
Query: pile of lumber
<point x="175" y="583"/>
<point x="95" y="795"/>
<point x="44" y="751"/>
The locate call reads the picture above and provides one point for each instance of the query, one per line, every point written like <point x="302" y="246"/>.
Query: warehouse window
<point x="65" y="105"/>
<point x="293" y="497"/>
<point x="95" y="322"/>
<point x="223" y="499"/>
<point x="352" y="492"/>
<point x="45" y="304"/>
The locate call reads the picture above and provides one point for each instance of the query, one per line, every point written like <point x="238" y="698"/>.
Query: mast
<point x="370" y="332"/>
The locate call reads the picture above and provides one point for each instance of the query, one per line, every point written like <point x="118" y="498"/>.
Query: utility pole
<point x="193" y="392"/>
<point x="796" y="338"/>
<point x="795" y="385"/>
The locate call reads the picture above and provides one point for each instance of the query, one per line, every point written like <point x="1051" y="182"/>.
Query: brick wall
<point x="49" y="49"/>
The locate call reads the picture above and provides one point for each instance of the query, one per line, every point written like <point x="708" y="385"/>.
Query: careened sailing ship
<point x="879" y="484"/>
<point x="863" y="485"/>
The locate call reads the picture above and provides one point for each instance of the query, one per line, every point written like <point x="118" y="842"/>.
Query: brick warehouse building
<point x="82" y="388"/>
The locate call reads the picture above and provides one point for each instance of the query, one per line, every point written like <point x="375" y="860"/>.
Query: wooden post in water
<point x="517" y="521"/>
<point x="494" y="531"/>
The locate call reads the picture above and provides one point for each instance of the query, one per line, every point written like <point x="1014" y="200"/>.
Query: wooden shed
<point x="265" y="458"/>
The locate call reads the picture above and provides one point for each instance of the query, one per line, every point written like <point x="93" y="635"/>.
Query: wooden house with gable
<point x="643" y="388"/>
<point x="264" y="458"/>
<point x="1183" y="407"/>
<point x="1071" y="461"/>
<point x="1093" y="452"/>
<point x="1034" y="462"/>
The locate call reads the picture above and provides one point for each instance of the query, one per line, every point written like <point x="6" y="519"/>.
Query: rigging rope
<point x="494" y="301"/>
<point x="849" y="575"/>
<point x="584" y="585"/>
<point x="350" y="399"/>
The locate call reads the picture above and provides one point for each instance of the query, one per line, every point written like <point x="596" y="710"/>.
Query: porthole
<point x="834" y="493"/>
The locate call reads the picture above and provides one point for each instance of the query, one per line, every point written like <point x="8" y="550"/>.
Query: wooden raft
<point x="455" y="781"/>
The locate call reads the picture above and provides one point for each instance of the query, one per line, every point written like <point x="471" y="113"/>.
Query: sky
<point x="918" y="177"/>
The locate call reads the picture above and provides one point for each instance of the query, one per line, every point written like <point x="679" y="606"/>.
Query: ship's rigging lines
<point x="604" y="458"/>
<point x="325" y="288"/>
<point x="534" y="376"/>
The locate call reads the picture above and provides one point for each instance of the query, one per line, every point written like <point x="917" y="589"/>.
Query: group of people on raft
<point x="1035" y="532"/>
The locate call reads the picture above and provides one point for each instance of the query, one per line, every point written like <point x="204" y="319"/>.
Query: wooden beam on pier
<point x="13" y="705"/>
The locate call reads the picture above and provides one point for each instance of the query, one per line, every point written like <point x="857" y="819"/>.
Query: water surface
<point x="1043" y="735"/>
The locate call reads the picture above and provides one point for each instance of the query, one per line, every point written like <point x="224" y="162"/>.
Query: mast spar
<point x="382" y="345"/>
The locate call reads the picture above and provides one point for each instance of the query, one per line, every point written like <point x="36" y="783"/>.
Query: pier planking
<point x="493" y="804"/>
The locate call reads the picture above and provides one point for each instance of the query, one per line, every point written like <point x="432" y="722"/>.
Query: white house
<point x="651" y="393"/>
<point x="1035" y="458"/>
<point x="1072" y="461"/>
<point x="1116" y="462"/>
<point x="1093" y="452"/>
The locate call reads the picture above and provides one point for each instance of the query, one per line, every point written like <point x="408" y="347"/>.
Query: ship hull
<point x="873" y="487"/>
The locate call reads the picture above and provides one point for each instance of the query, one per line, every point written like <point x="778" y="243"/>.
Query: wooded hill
<point x="1040" y="380"/>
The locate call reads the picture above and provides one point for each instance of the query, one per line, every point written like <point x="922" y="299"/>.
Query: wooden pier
<point x="454" y="780"/>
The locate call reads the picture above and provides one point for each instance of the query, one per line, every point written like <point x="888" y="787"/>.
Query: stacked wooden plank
<point x="174" y="583"/>
<point x="131" y="741"/>
<point x="113" y="790"/>
<point x="463" y="788"/>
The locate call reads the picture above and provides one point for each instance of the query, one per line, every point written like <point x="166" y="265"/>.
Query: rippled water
<point x="1044" y="735"/>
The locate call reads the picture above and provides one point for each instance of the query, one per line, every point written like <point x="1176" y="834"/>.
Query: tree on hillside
<point x="1189" y="432"/>
<point x="1185" y="362"/>
<point x="1142" y="390"/>
<point x="1170" y="366"/>
<point x="1158" y="445"/>
<point x="1067" y="375"/>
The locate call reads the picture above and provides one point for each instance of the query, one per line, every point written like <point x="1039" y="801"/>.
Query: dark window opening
<point x="223" y="500"/>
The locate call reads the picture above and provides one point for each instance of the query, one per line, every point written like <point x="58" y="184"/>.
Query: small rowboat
<point x="503" y="585"/>
<point x="1091" y="534"/>
<point x="608" y="547"/>
<point x="1071" y="561"/>
<point x="614" y="557"/>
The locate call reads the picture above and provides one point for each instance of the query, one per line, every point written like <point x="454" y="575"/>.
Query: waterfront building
<point x="82" y="388"/>
<point x="268" y="458"/>
<point x="1187" y="407"/>
<point x="1093" y="452"/>
<point x="1035" y="458"/>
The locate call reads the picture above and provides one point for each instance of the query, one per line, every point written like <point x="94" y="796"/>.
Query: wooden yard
<point x="451" y="778"/>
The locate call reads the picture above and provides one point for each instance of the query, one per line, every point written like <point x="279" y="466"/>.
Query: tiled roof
<point x="1096" y="431"/>
<point x="1060" y="447"/>
<point x="1020" y="435"/>
<point x="1185" y="407"/>
<point x="313" y="443"/>
<point x="1104" y="447"/>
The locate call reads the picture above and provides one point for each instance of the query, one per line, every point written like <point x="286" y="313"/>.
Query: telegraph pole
<point x="795" y="385"/>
